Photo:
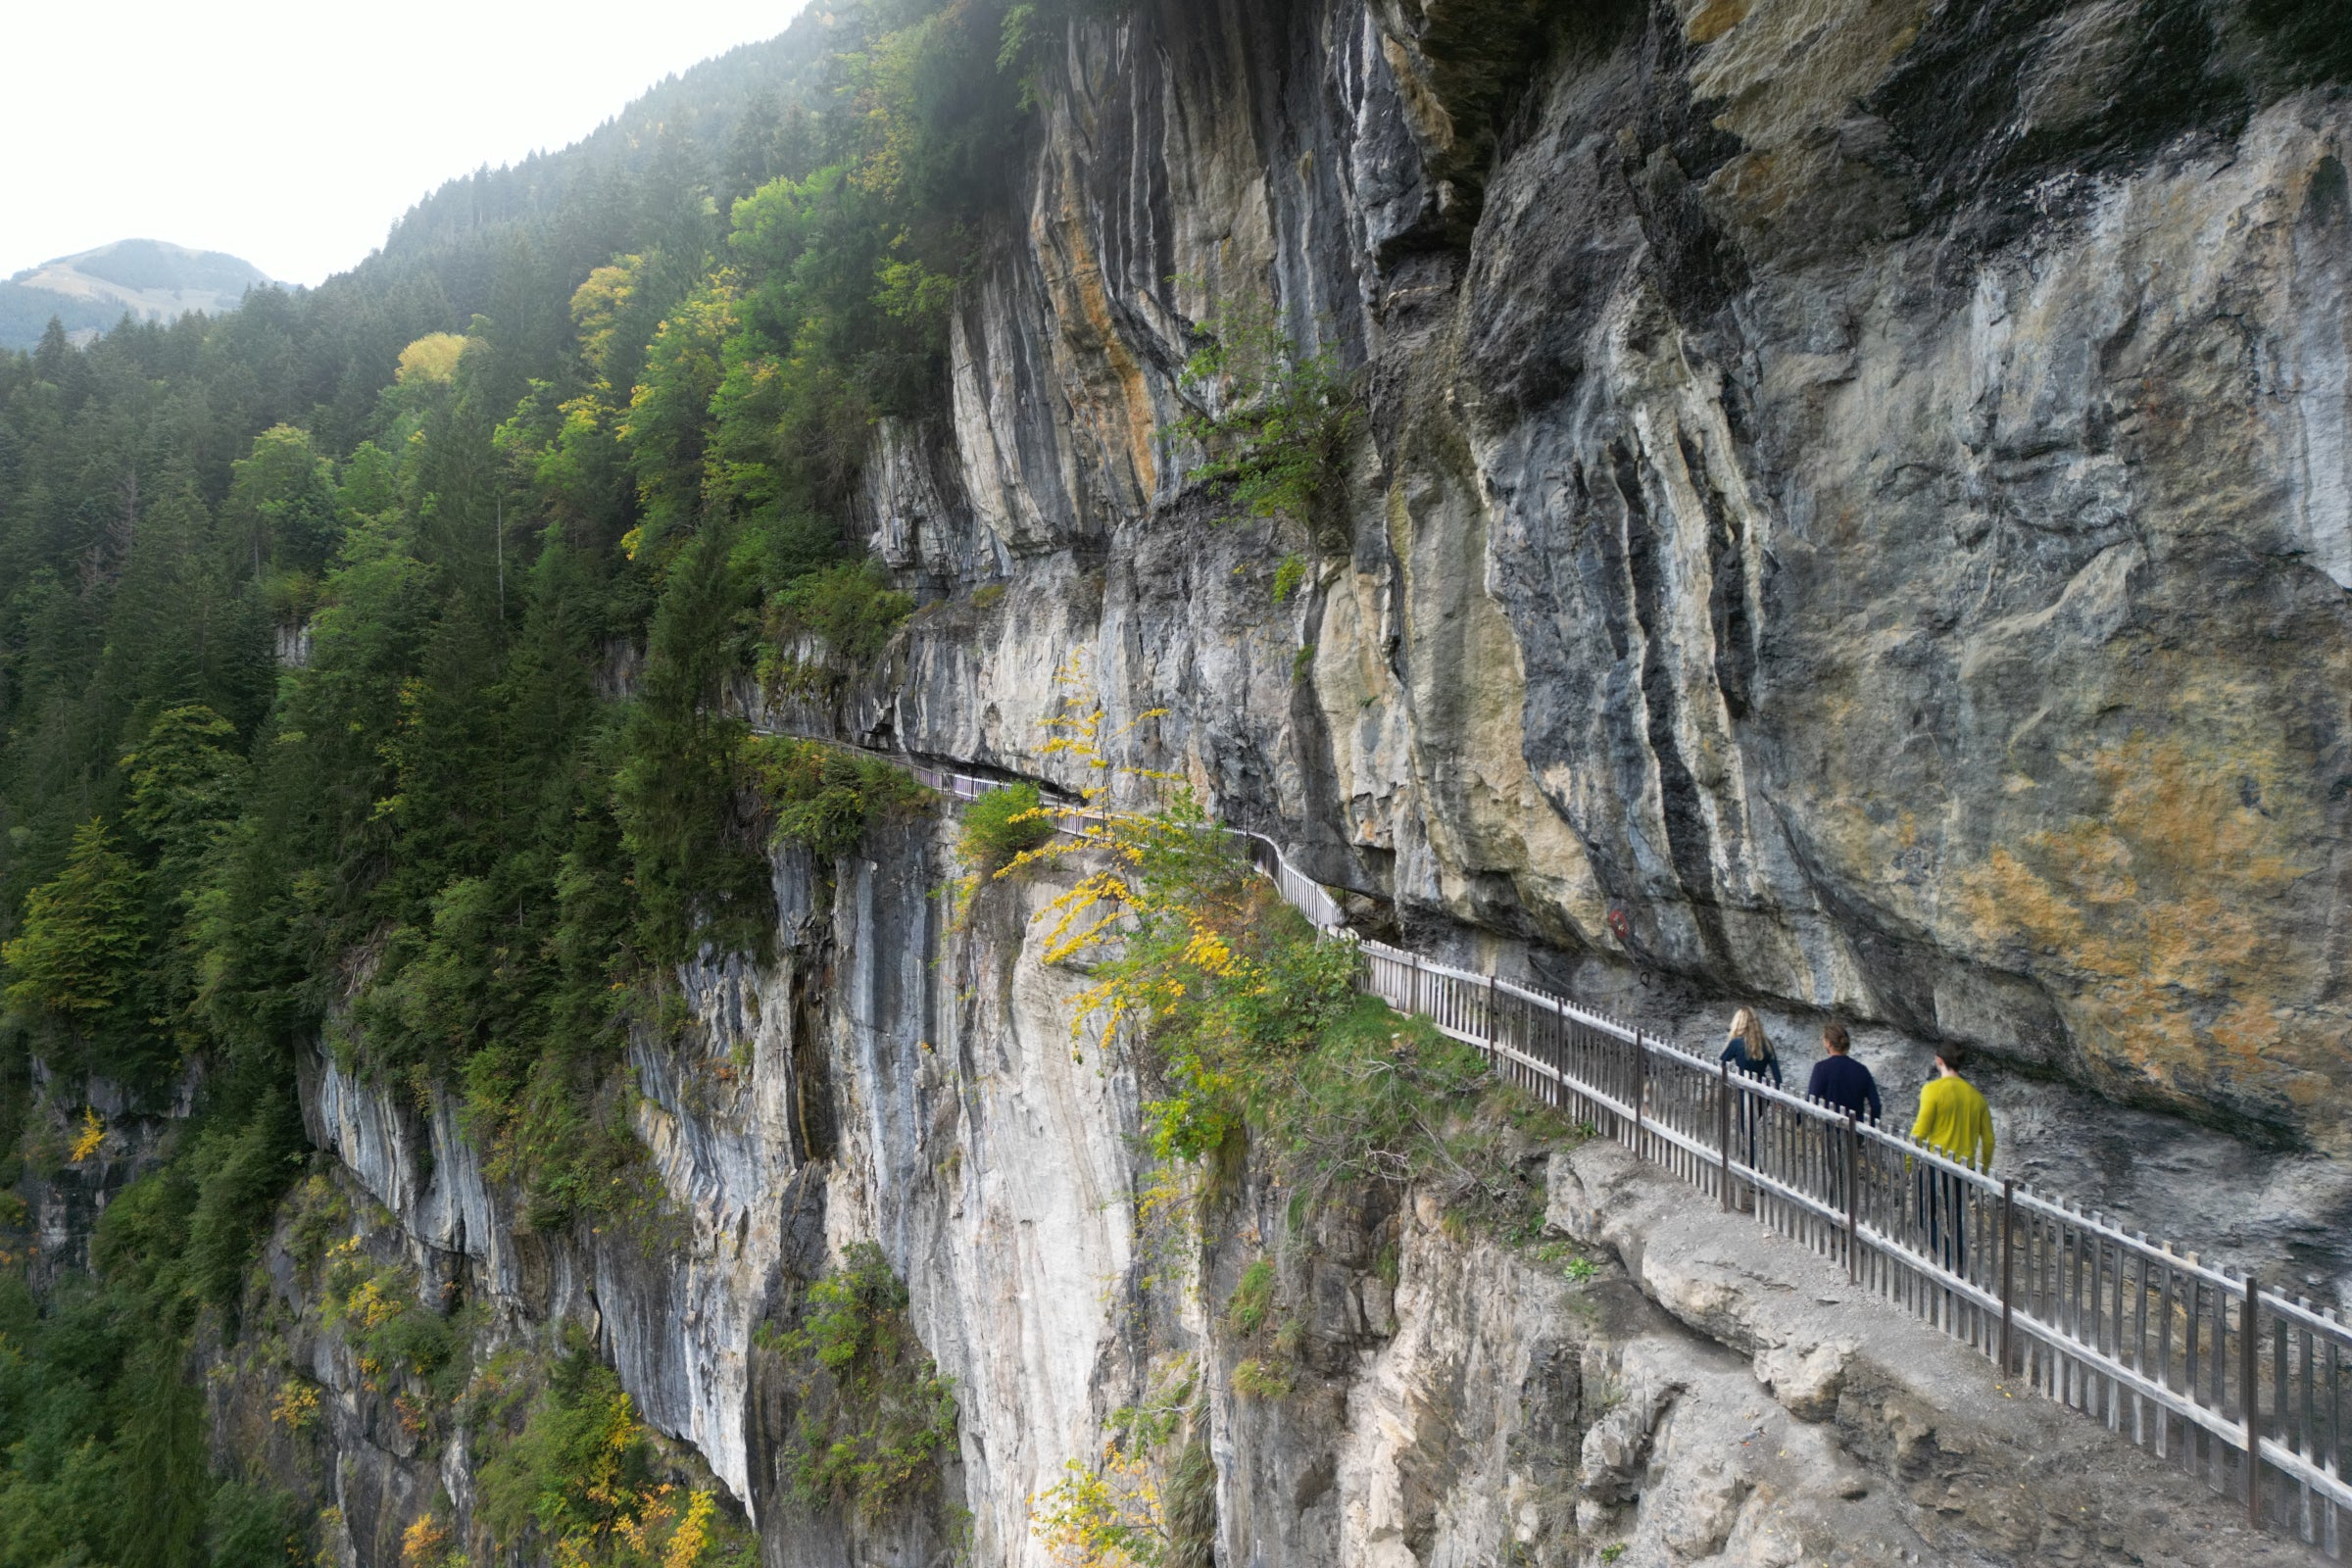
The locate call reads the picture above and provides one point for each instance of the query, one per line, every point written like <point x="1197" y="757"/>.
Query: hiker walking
<point x="1746" y="1048"/>
<point x="1953" y="1120"/>
<point x="1841" y="1083"/>
<point x="1750" y="1055"/>
<point x="1839" y="1080"/>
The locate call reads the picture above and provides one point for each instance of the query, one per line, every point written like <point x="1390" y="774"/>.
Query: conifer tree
<point x="79" y="944"/>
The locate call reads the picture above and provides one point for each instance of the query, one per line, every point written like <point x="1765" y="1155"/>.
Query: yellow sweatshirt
<point x="1953" y="1117"/>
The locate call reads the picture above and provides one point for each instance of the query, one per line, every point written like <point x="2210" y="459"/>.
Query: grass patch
<point x="1252" y="1299"/>
<point x="1258" y="1378"/>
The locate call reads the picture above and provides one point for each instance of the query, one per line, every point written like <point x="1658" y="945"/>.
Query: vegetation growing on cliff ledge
<point x="1002" y="825"/>
<point x="875" y="1417"/>
<point x="1276" y="424"/>
<point x="1149" y="1499"/>
<point x="567" y="1468"/>
<point x="1254" y="1026"/>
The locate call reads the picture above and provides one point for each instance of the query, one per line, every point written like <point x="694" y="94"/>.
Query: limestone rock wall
<point x="1895" y="556"/>
<point x="1662" y="1381"/>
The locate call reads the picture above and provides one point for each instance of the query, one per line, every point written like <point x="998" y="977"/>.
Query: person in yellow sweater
<point x="1953" y="1119"/>
<point x="1953" y="1116"/>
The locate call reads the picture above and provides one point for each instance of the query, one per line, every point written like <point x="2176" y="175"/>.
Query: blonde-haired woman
<point x="1746" y="1048"/>
<point x="1751" y="1054"/>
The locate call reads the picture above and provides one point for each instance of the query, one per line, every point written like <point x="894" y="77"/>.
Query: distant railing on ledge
<point x="1300" y="891"/>
<point x="2194" y="1362"/>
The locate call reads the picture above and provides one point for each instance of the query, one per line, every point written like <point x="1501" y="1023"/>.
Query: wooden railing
<point x="2193" y="1361"/>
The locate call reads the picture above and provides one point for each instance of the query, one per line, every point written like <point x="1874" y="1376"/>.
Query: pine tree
<point x="80" y="945"/>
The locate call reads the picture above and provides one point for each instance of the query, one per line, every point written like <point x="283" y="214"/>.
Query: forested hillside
<point x="307" y="619"/>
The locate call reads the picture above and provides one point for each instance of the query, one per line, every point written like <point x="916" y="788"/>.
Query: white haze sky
<point x="294" y="136"/>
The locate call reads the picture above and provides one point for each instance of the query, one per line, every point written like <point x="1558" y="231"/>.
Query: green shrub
<point x="395" y="1336"/>
<point x="1255" y="1029"/>
<point x="577" y="1466"/>
<point x="874" y="1411"/>
<point x="823" y="796"/>
<point x="850" y="607"/>
<point x="585" y="1476"/>
<point x="1005" y="823"/>
<point x="1288" y="576"/>
<point x="1284" y="422"/>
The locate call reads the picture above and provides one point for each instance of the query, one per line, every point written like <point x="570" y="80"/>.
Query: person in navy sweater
<point x="1842" y="1081"/>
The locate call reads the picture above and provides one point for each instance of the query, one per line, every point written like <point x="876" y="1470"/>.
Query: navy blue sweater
<point x="1845" y="1083"/>
<point x="1737" y="1055"/>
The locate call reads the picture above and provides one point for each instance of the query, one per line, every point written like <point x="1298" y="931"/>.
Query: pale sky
<point x="294" y="136"/>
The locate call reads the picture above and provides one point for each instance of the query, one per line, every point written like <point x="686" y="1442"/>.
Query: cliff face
<point x="1856" y="492"/>
<point x="1860" y="489"/>
<point x="1449" y="1396"/>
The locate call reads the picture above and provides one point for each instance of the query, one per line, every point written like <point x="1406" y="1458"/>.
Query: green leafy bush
<point x="1288" y="575"/>
<point x="825" y="798"/>
<point x="1005" y="823"/>
<point x="850" y="609"/>
<point x="1276" y="424"/>
<point x="874" y="1412"/>
<point x="1255" y="1028"/>
<point x="585" y="1476"/>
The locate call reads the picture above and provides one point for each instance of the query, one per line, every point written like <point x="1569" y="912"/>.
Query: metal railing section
<point x="2196" y="1363"/>
<point x="1300" y="891"/>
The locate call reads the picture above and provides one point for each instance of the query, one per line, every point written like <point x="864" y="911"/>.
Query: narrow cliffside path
<point x="1944" y="1246"/>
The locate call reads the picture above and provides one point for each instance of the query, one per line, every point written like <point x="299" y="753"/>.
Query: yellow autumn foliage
<point x="1106" y="1515"/>
<point x="433" y="358"/>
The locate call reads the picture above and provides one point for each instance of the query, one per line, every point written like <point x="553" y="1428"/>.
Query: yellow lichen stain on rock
<point x="2154" y="905"/>
<point x="1121" y="416"/>
<point x="1134" y="398"/>
<point x="1421" y="104"/>
<point x="1714" y="19"/>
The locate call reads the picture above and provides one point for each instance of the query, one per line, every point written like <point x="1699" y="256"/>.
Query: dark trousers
<point x="1942" y="1205"/>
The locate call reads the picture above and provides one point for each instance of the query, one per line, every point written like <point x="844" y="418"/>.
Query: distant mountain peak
<point x="92" y="290"/>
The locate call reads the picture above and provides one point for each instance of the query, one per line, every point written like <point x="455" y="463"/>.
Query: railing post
<point x="1414" y="1010"/>
<point x="2250" y="1392"/>
<point x="1493" y="1020"/>
<point x="1723" y="1132"/>
<point x="2008" y="1269"/>
<point x="1853" y="1201"/>
<point x="1641" y="1082"/>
